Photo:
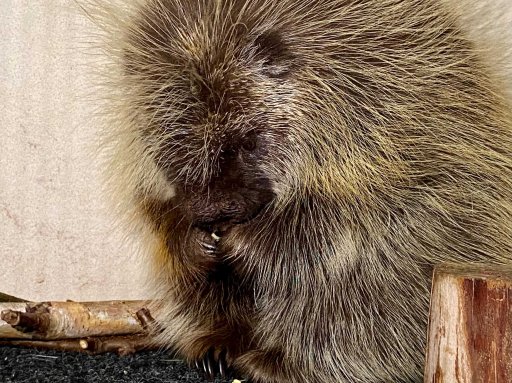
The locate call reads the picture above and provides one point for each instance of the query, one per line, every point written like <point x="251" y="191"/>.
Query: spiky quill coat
<point x="338" y="148"/>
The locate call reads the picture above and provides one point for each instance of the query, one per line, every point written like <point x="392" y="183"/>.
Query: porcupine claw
<point x="205" y="365"/>
<point x="202" y="366"/>
<point x="210" y="366"/>
<point x="210" y="249"/>
<point x="209" y="242"/>
<point x="222" y="363"/>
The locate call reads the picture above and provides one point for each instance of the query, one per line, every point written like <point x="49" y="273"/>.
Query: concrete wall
<point x="56" y="238"/>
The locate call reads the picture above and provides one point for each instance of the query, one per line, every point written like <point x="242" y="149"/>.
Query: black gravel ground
<point x="35" y="366"/>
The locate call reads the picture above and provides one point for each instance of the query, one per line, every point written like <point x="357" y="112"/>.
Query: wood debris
<point x="91" y="327"/>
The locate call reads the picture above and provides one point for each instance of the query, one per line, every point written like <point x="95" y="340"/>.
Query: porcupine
<point x="297" y="168"/>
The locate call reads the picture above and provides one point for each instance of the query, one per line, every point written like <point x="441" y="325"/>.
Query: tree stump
<point x="470" y="326"/>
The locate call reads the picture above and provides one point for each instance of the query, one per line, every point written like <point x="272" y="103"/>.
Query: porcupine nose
<point x="218" y="218"/>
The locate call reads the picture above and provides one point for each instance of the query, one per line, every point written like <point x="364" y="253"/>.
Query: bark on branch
<point x="122" y="327"/>
<point x="66" y="320"/>
<point x="10" y="298"/>
<point x="121" y="345"/>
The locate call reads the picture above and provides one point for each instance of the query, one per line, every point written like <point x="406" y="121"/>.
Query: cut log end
<point x="470" y="325"/>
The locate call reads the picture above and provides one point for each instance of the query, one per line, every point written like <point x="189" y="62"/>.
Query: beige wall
<point x="56" y="239"/>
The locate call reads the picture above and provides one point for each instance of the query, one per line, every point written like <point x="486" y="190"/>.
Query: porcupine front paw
<point x="208" y="242"/>
<point x="213" y="363"/>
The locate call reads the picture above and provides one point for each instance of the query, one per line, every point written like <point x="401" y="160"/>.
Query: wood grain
<point x="470" y="327"/>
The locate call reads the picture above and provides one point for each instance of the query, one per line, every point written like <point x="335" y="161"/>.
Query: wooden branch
<point x="6" y="330"/>
<point x="122" y="327"/>
<point x="122" y="345"/>
<point x="10" y="298"/>
<point x="65" y="320"/>
<point x="470" y="329"/>
<point x="61" y="345"/>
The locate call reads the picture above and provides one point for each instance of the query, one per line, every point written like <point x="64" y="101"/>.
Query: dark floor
<point x="35" y="366"/>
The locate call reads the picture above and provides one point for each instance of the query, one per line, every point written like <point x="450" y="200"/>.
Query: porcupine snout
<point x="233" y="194"/>
<point x="220" y="211"/>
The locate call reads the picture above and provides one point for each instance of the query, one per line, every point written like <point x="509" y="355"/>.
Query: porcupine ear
<point x="272" y="50"/>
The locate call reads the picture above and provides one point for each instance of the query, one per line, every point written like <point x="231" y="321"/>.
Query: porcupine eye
<point x="249" y="145"/>
<point x="250" y="142"/>
<point x="275" y="55"/>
